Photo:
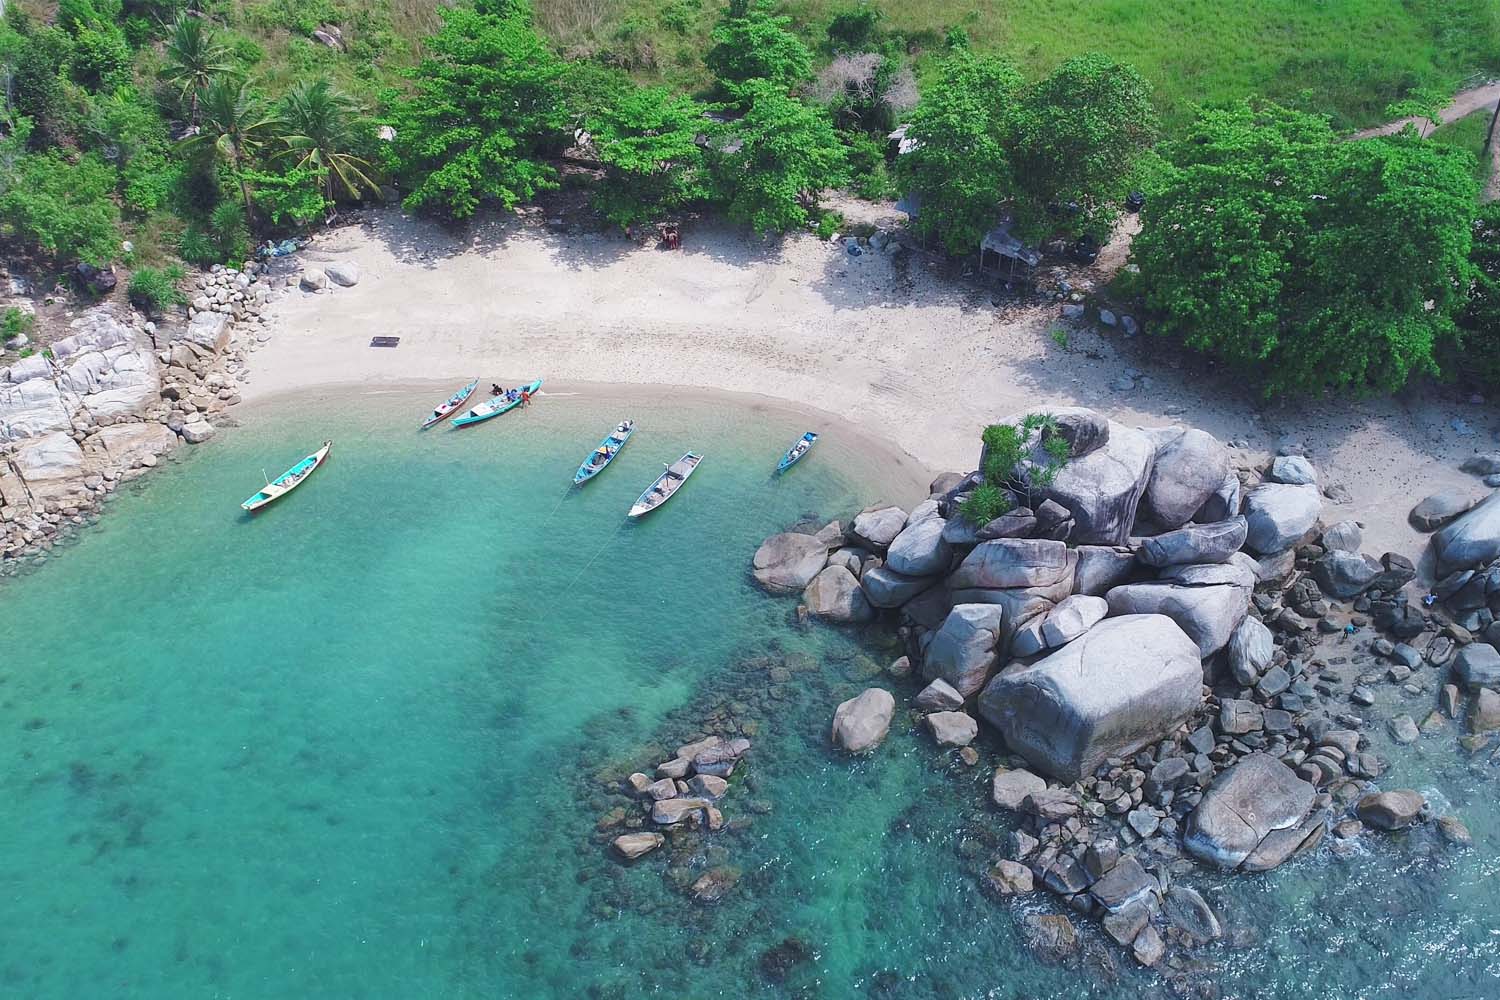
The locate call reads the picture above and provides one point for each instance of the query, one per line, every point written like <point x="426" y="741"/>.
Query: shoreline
<point x="889" y="342"/>
<point x="902" y="477"/>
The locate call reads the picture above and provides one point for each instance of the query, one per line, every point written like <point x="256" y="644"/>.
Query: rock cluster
<point x="105" y="403"/>
<point x="684" y="792"/>
<point x="1178" y="654"/>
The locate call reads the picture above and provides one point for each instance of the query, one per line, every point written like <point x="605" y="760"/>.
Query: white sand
<point x="893" y="345"/>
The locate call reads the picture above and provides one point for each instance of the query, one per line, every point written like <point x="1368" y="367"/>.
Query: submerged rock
<point x="1394" y="810"/>
<point x="835" y="594"/>
<point x="788" y="562"/>
<point x="861" y="723"/>
<point x="952" y="729"/>
<point x="634" y="845"/>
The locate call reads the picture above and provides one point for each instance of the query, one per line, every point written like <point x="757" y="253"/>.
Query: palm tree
<point x="318" y="128"/>
<point x="194" y="57"/>
<point x="236" y="124"/>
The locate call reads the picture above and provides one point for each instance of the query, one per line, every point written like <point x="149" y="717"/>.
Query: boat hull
<point x="675" y="477"/>
<point x="479" y="416"/>
<point x="616" y="437"/>
<point x="793" y="456"/>
<point x="450" y="405"/>
<point x="288" y="480"/>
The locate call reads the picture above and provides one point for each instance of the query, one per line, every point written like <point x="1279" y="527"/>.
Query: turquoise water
<point x="357" y="746"/>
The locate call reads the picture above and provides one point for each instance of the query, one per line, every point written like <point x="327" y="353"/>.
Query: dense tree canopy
<point x="647" y="140"/>
<point x="773" y="161"/>
<point x="485" y="108"/>
<point x="1075" y="136"/>
<point x="753" y="43"/>
<point x="959" y="166"/>
<point x="1314" y="262"/>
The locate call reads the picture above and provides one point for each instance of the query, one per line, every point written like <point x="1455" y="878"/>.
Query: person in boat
<point x="510" y="395"/>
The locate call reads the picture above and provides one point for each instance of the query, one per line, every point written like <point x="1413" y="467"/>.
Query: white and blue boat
<point x="450" y="404"/>
<point x="288" y="480"/>
<point x="496" y="405"/>
<point x="795" y="452"/>
<point x="601" y="456"/>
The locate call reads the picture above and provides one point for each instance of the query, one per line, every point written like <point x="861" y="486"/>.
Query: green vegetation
<point x="1348" y="58"/>
<point x="1468" y="133"/>
<point x="1309" y="262"/>
<point x="154" y="289"/>
<point x="14" y="322"/>
<point x="1018" y="459"/>
<point x="1478" y="349"/>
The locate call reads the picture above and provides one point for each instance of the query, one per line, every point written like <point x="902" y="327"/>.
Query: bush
<point x="196" y="248"/>
<point x="155" y="289"/>
<point x="984" y="504"/>
<point x="230" y="235"/>
<point x="63" y="209"/>
<point x="14" y="322"/>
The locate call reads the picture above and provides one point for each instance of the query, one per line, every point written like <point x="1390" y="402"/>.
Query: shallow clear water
<point x="357" y="746"/>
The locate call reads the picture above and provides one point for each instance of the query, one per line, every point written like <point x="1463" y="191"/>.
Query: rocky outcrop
<point x="1280" y="516"/>
<point x="788" y="562"/>
<point x="877" y="527"/>
<point x="1471" y="540"/>
<point x="964" y="651"/>
<point x="1207" y="602"/>
<point x="1102" y="490"/>
<point x="836" y="595"/>
<point x="1189" y="467"/>
<point x="861" y="723"/>
<point x="1196" y="543"/>
<point x="1124" y="683"/>
<point x="1011" y="563"/>
<point x="1254" y="816"/>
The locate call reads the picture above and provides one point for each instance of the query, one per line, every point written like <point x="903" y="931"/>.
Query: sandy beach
<point x="896" y="345"/>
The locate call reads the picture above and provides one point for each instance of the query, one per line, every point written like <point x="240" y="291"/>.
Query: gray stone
<point x="1007" y="563"/>
<point x="920" y="550"/>
<point x="877" y="527"/>
<point x="1125" y="924"/>
<point x="1250" y="650"/>
<point x="1246" y="803"/>
<point x="1403" y="729"/>
<point x="312" y="280"/>
<point x="1345" y="575"/>
<point x="1010" y="878"/>
<point x="939" y="696"/>
<point x="1477" y="665"/>
<point x="861" y="723"/>
<point x="1018" y="523"/>
<point x="1453" y="831"/>
<point x="1482" y="463"/>
<point x="1280" y="516"/>
<point x="1071" y="618"/>
<point x="1101" y="568"/>
<point x="1189" y="467"/>
<point x="1436" y="510"/>
<point x="1394" y="810"/>
<point x="952" y="729"/>
<point x="634" y="845"/>
<point x="1471" y="540"/>
<point x="1484" y="714"/>
<point x="1208" y="602"/>
<point x="669" y="812"/>
<point x="963" y="652"/>
<point x="1010" y="788"/>
<point x="835" y="594"/>
<point x="1224" y="503"/>
<point x="886" y="588"/>
<point x="1189" y="913"/>
<point x="1103" y="489"/>
<point x="197" y="431"/>
<point x="1125" y="683"/>
<point x="1238" y="717"/>
<point x="1343" y="537"/>
<point x="343" y="272"/>
<point x="788" y="562"/>
<point x="1294" y="470"/>
<point x="1194" y="543"/>
<point x="1148" y="946"/>
<point x="1051" y="936"/>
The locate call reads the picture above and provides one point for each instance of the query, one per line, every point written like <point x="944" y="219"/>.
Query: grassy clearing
<point x="1349" y="58"/>
<point x="1469" y="133"/>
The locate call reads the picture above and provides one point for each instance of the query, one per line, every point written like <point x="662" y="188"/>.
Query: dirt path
<point x="1465" y="103"/>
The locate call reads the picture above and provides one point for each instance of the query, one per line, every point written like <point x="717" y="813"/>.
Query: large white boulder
<point x="964" y="651"/>
<point x="920" y="549"/>
<point x="861" y="723"/>
<point x="1190" y="466"/>
<point x="1472" y="540"/>
<point x="788" y="562"/>
<point x="1280" y="516"/>
<point x="52" y="466"/>
<point x="1124" y="683"/>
